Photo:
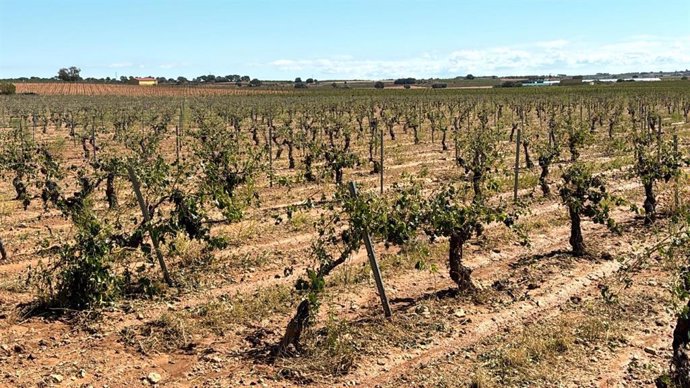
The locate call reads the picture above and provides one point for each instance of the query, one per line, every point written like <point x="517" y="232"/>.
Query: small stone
<point x="82" y="373"/>
<point x="153" y="378"/>
<point x="651" y="351"/>
<point x="57" y="378"/>
<point x="213" y="359"/>
<point x="459" y="313"/>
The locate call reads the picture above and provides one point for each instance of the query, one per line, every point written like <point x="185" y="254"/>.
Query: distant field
<point x="84" y="89"/>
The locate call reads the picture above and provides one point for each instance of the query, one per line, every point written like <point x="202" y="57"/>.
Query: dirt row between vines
<point x="413" y="285"/>
<point x="371" y="296"/>
<point x="290" y="247"/>
<point x="54" y="223"/>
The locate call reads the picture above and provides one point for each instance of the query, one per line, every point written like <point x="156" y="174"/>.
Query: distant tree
<point x="334" y="85"/>
<point x="208" y="78"/>
<point x="69" y="74"/>
<point x="469" y="76"/>
<point x="300" y="85"/>
<point x="255" y="82"/>
<point x="438" y="86"/>
<point x="298" y="80"/>
<point x="161" y="80"/>
<point x="7" y="88"/>
<point x="405" y="81"/>
<point x="310" y="80"/>
<point x="182" y="80"/>
<point x="511" y="84"/>
<point x="245" y="78"/>
<point x="378" y="85"/>
<point x="233" y="77"/>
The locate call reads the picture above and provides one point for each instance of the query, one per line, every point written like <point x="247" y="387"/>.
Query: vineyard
<point x="456" y="238"/>
<point x="93" y="89"/>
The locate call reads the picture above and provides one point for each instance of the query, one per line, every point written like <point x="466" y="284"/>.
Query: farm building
<point x="144" y="81"/>
<point x="612" y="80"/>
<point x="541" y="82"/>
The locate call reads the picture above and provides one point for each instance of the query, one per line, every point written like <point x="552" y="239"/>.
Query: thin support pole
<point x="381" y="156"/>
<point x="372" y="262"/>
<point x="517" y="163"/>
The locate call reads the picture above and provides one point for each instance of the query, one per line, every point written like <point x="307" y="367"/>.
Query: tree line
<point x="73" y="74"/>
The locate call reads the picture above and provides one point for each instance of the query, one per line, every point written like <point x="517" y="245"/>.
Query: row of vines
<point x="134" y="176"/>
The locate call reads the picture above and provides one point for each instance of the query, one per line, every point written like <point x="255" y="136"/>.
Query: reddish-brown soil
<point x="529" y="299"/>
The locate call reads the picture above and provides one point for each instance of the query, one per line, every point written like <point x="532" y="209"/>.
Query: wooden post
<point x="517" y="163"/>
<point x="93" y="140"/>
<point x="3" y="252"/>
<point x="381" y="156"/>
<point x="676" y="196"/>
<point x="147" y="220"/>
<point x="177" y="144"/>
<point x="178" y="131"/>
<point x="270" y="153"/>
<point x="372" y="262"/>
<point x="456" y="128"/>
<point x="33" y="119"/>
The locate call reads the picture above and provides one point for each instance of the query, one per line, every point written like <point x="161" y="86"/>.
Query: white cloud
<point x="552" y="44"/>
<point x="120" y="65"/>
<point x="637" y="53"/>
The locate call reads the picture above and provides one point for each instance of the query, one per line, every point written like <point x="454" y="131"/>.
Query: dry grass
<point x="301" y="222"/>
<point x="168" y="333"/>
<point x="219" y="314"/>
<point x="330" y="351"/>
<point x="179" y="330"/>
<point x="542" y="353"/>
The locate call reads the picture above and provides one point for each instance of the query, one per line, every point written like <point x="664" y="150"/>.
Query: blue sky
<point x="342" y="39"/>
